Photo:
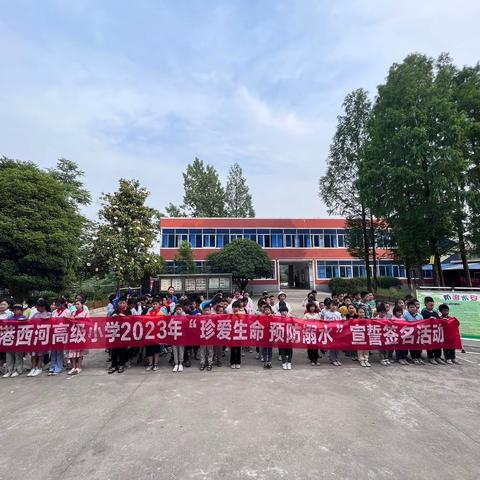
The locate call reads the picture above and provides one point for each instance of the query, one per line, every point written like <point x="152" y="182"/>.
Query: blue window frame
<point x="277" y="240"/>
<point x="356" y="268"/>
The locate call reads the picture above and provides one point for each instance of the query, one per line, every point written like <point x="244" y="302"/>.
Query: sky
<point x="138" y="89"/>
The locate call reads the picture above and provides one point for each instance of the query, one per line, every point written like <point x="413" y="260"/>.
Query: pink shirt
<point x="64" y="313"/>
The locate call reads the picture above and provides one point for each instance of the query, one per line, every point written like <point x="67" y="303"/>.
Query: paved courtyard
<point x="311" y="422"/>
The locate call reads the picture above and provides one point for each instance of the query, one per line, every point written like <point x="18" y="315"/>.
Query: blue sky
<point x="138" y="89"/>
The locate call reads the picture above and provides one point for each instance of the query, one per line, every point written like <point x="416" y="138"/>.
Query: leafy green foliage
<point x="127" y="231"/>
<point x="339" y="186"/>
<point x="184" y="258"/>
<point x="70" y="176"/>
<point x="40" y="230"/>
<point x="238" y="200"/>
<point x="244" y="259"/>
<point x="350" y="285"/>
<point x="204" y="195"/>
<point x="414" y="155"/>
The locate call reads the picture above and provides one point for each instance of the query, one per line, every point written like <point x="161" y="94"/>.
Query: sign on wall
<point x="463" y="305"/>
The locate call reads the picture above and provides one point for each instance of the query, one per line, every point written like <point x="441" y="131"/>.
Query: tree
<point x="126" y="233"/>
<point x="174" y="211"/>
<point x="338" y="187"/>
<point x="68" y="173"/>
<point x="39" y="230"/>
<point x="244" y="259"/>
<point x="413" y="159"/>
<point x="467" y="198"/>
<point x="204" y="195"/>
<point x="184" y="259"/>
<point x="238" y="200"/>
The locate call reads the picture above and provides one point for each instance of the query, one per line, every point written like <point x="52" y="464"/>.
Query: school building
<point x="305" y="253"/>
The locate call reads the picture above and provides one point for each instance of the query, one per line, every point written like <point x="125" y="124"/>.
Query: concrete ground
<point x="311" y="422"/>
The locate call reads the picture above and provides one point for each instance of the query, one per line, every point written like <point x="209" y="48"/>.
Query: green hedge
<point x="343" y="285"/>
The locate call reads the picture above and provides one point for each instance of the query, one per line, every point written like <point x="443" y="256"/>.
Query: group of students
<point x="56" y="360"/>
<point x="337" y="307"/>
<point x="342" y="306"/>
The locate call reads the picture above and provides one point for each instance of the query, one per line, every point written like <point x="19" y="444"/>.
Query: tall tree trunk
<point x="419" y="269"/>
<point x="438" y="262"/>
<point x="463" y="253"/>
<point x="436" y="271"/>
<point x="408" y="270"/>
<point x="374" y="252"/>
<point x="366" y="248"/>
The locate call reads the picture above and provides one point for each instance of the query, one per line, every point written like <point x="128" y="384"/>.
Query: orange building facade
<point x="305" y="253"/>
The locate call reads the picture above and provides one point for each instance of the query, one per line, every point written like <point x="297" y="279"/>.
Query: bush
<point x="344" y="285"/>
<point x="388" y="282"/>
<point x="349" y="285"/>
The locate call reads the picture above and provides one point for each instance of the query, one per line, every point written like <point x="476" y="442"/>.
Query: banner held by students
<point x="227" y="330"/>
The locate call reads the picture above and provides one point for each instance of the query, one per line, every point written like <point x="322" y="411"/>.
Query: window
<point x="277" y="240"/>
<point x="330" y="238"/>
<point x="223" y="240"/>
<point x="356" y="269"/>
<point x="303" y="241"/>
<point x="182" y="237"/>
<point x="317" y="241"/>
<point x="332" y="271"/>
<point x="209" y="240"/>
<point x="289" y="240"/>
<point x="345" y="271"/>
<point x="264" y="241"/>
<point x="168" y="240"/>
<point x="428" y="273"/>
<point x="196" y="240"/>
<point x="359" y="271"/>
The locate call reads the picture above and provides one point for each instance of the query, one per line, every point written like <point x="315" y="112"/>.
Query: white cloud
<point x="250" y="84"/>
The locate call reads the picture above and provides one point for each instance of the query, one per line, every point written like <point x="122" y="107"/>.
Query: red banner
<point x="227" y="330"/>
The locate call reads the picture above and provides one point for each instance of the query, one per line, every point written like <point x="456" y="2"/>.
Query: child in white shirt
<point x="333" y="315"/>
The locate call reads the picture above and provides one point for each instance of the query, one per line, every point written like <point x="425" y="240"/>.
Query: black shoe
<point x="269" y="365"/>
<point x="202" y="367"/>
<point x="209" y="367"/>
<point x="121" y="369"/>
<point x="187" y="364"/>
<point x="112" y="370"/>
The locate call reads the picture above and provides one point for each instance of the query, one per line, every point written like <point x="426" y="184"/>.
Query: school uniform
<point x="330" y="316"/>
<point x="78" y="315"/>
<point x="15" y="359"/>
<point x="414" y="354"/>
<point x="312" y="353"/>
<point x="436" y="352"/>
<point x="120" y="355"/>
<point x="56" y="356"/>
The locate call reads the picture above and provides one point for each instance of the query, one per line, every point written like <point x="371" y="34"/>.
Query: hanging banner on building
<point x="464" y="305"/>
<point x="227" y="330"/>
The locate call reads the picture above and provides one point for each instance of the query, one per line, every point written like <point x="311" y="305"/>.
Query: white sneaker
<point x="6" y="375"/>
<point x="237" y="366"/>
<point x="150" y="367"/>
<point x="71" y="371"/>
<point x="175" y="368"/>
<point x="180" y="368"/>
<point x="233" y="366"/>
<point x="14" y="374"/>
<point x="30" y="373"/>
<point x="284" y="366"/>
<point x="155" y="368"/>
<point x="289" y="366"/>
<point x="279" y="358"/>
<point x="37" y="372"/>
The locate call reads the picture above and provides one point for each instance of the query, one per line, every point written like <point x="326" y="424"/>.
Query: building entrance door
<point x="296" y="275"/>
